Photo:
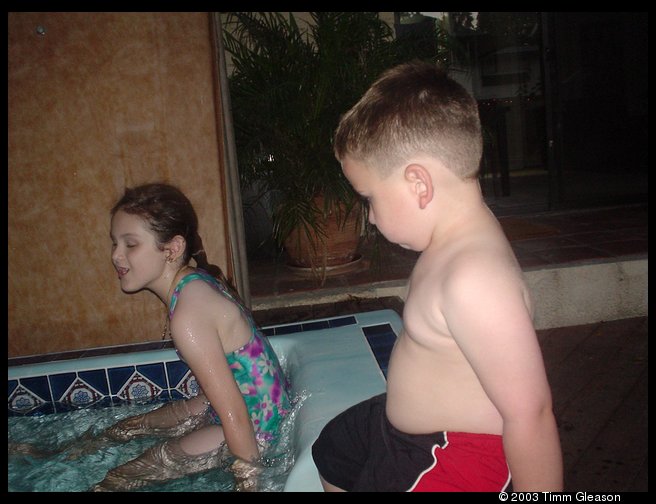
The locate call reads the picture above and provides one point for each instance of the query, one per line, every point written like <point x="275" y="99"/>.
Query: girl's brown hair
<point x="169" y="213"/>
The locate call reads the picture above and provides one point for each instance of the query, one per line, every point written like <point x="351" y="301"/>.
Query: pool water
<point x="331" y="363"/>
<point x="57" y="433"/>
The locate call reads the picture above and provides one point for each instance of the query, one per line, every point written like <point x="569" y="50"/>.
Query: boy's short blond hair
<point x="413" y="109"/>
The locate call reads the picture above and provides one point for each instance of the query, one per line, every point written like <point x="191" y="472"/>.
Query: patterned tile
<point x="67" y="388"/>
<point x="188" y="386"/>
<point x="80" y="394"/>
<point x="138" y="388"/>
<point x="23" y="401"/>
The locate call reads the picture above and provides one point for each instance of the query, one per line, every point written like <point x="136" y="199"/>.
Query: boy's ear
<point x="421" y="183"/>
<point x="175" y="248"/>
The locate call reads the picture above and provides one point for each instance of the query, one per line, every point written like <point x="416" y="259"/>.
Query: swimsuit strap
<point x="201" y="274"/>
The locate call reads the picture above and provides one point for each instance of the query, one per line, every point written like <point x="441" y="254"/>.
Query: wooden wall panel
<point x="98" y="102"/>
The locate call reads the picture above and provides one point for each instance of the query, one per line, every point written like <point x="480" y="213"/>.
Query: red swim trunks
<point x="359" y="450"/>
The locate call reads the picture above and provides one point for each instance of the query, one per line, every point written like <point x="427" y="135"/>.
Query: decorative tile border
<point x="80" y="383"/>
<point x="103" y="380"/>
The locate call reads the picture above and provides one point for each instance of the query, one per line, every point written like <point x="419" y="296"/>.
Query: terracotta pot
<point x="339" y="246"/>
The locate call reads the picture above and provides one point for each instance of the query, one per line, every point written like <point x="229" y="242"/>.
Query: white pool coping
<point x="337" y="369"/>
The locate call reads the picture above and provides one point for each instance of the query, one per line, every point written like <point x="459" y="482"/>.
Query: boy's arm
<point x="488" y="317"/>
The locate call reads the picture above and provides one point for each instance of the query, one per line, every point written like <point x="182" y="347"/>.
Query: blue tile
<point x="342" y="321"/>
<point x="383" y="355"/>
<point x="289" y="329"/>
<point x="60" y="383"/>
<point x="97" y="378"/>
<point x="11" y="386"/>
<point x="39" y="386"/>
<point x="381" y="339"/>
<point x="175" y="395"/>
<point x="140" y="389"/>
<point x="166" y="396"/>
<point x="378" y="330"/>
<point x="378" y="349"/>
<point x="155" y="373"/>
<point x="313" y="326"/>
<point x="23" y="401"/>
<point x="81" y="394"/>
<point x="118" y="377"/>
<point x="176" y="371"/>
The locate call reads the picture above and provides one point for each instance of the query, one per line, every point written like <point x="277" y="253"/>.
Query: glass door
<point x="498" y="57"/>
<point x="563" y="102"/>
<point x="596" y="79"/>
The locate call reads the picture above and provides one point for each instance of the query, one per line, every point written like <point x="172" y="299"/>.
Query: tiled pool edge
<point x="103" y="380"/>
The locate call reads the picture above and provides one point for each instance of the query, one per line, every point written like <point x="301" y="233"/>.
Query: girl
<point x="244" y="393"/>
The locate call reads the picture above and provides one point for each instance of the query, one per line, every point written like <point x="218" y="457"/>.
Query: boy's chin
<point x="405" y="246"/>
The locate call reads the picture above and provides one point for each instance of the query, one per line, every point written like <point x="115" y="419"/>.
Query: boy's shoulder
<point x="472" y="258"/>
<point x="466" y="278"/>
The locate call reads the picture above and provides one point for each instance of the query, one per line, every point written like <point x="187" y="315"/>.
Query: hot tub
<point x="334" y="362"/>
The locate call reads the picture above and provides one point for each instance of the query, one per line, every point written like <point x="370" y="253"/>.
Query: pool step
<point x="563" y="295"/>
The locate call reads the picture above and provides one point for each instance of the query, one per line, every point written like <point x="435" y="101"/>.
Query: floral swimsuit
<point x="254" y="366"/>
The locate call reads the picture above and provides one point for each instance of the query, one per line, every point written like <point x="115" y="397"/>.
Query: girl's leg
<point x="169" y="460"/>
<point x="197" y="442"/>
<point x="245" y="473"/>
<point x="174" y="419"/>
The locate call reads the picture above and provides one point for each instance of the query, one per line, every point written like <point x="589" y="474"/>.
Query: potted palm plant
<point x="289" y="85"/>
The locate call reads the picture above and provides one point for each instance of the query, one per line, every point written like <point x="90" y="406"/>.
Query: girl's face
<point x="138" y="260"/>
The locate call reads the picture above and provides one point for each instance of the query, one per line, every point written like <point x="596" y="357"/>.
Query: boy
<point x="468" y="405"/>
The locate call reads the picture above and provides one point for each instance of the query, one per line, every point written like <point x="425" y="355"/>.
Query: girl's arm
<point x="195" y="335"/>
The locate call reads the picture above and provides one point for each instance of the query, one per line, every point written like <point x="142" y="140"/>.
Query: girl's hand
<point x="246" y="475"/>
